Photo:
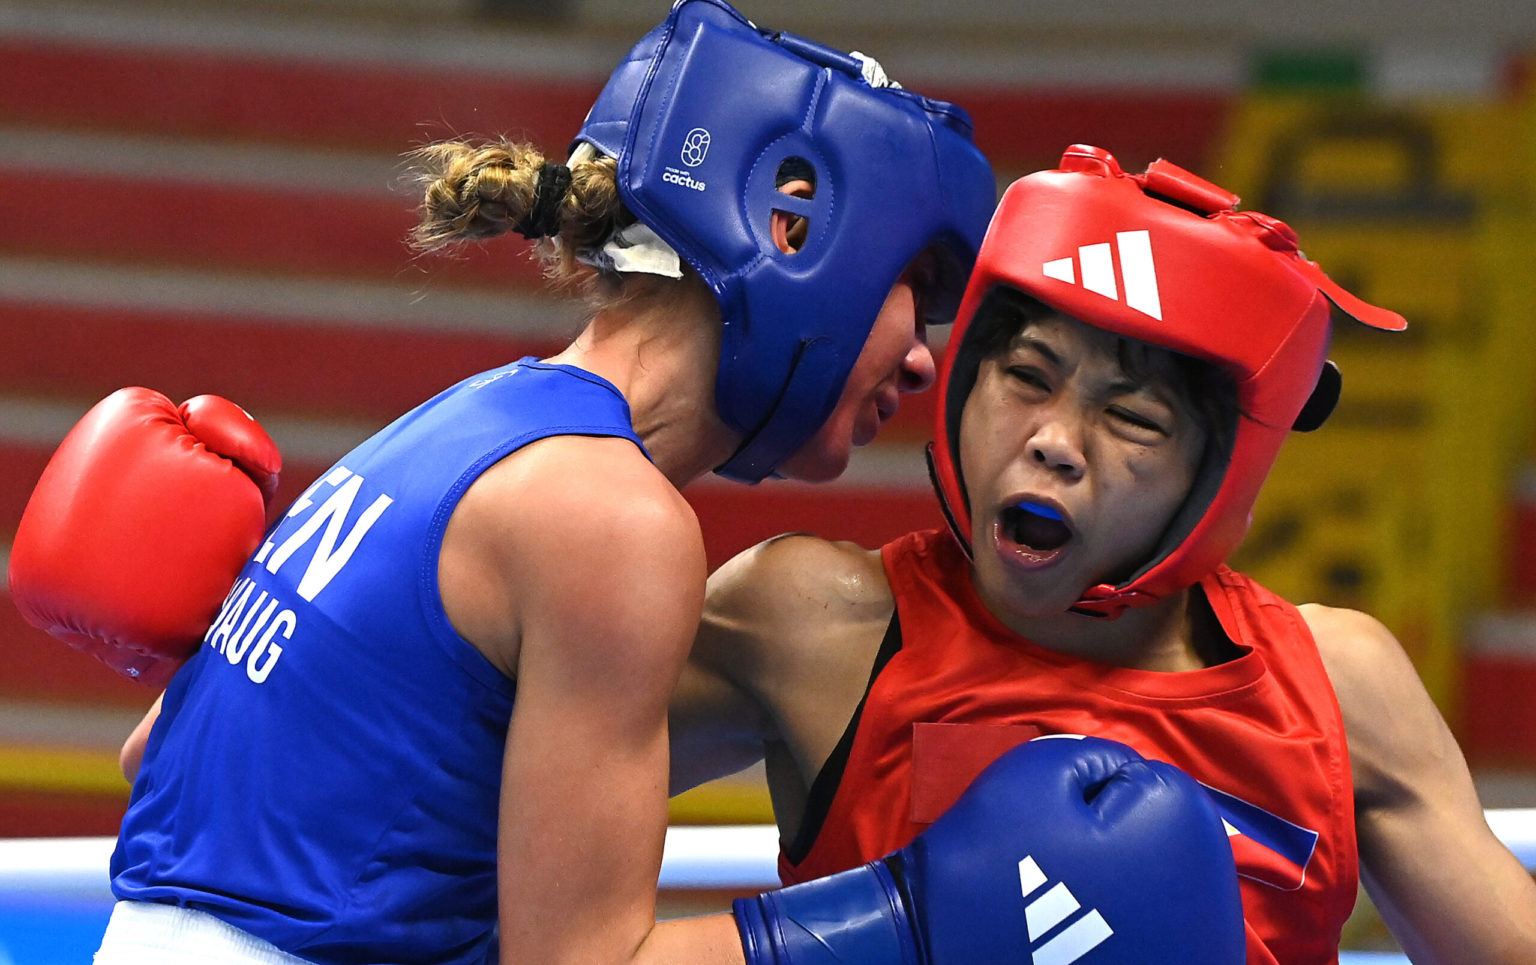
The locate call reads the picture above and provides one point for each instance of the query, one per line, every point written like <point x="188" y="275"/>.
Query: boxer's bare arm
<point x="589" y="602"/>
<point x="790" y="631"/>
<point x="1444" y="884"/>
<point x="132" y="753"/>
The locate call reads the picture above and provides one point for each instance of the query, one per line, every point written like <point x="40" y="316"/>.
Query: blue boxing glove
<point x="1065" y="851"/>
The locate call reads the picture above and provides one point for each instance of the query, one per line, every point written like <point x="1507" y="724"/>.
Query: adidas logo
<point x="1098" y="271"/>
<point x="1048" y="910"/>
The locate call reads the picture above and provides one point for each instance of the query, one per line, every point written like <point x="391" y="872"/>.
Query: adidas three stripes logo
<point x="1048" y="909"/>
<point x="1097" y="264"/>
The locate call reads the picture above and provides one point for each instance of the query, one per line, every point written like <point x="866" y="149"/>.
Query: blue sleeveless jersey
<point x="325" y="771"/>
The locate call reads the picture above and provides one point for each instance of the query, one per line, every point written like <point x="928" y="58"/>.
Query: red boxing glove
<point x="139" y="526"/>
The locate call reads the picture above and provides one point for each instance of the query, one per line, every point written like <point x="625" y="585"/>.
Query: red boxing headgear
<point x="1163" y="257"/>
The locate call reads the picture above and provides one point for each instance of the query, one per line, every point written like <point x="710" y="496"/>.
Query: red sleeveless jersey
<point x="1263" y="732"/>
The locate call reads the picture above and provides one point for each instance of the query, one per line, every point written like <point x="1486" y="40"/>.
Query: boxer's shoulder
<point x="1397" y="740"/>
<point x="794" y="576"/>
<point x="1362" y="658"/>
<point x="796" y="608"/>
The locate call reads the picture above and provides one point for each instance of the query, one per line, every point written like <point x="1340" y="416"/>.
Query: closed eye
<point x="1138" y="420"/>
<point x="1029" y="376"/>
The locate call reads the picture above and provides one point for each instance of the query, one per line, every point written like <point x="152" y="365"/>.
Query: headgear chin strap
<point x="701" y="117"/>
<point x="1163" y="257"/>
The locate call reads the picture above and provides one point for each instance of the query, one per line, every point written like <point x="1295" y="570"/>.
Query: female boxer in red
<point x="1129" y="355"/>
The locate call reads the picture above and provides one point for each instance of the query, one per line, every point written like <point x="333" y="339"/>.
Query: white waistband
<point x="150" y="933"/>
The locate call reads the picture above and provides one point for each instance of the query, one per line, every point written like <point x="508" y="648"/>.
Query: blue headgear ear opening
<point x="701" y="116"/>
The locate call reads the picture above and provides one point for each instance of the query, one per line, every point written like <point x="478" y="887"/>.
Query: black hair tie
<point x="543" y="218"/>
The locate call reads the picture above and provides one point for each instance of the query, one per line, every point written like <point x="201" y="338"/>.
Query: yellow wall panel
<point x="1397" y="505"/>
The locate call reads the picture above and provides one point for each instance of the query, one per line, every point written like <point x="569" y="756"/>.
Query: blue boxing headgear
<point x="701" y="117"/>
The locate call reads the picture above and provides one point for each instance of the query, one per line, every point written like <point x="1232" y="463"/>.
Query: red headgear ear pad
<point x="1163" y="257"/>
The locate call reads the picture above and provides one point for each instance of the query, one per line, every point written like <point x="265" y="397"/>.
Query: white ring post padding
<point x="67" y="867"/>
<point x="741" y="858"/>
<point x="725" y="858"/>
<point x="1516" y="827"/>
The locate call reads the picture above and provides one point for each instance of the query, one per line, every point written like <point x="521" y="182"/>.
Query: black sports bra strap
<point x="818" y="800"/>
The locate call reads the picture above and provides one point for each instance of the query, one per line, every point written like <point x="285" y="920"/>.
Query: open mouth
<point x="1035" y="526"/>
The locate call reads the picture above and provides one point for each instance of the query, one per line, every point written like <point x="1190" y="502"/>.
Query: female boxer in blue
<point x="433" y="706"/>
